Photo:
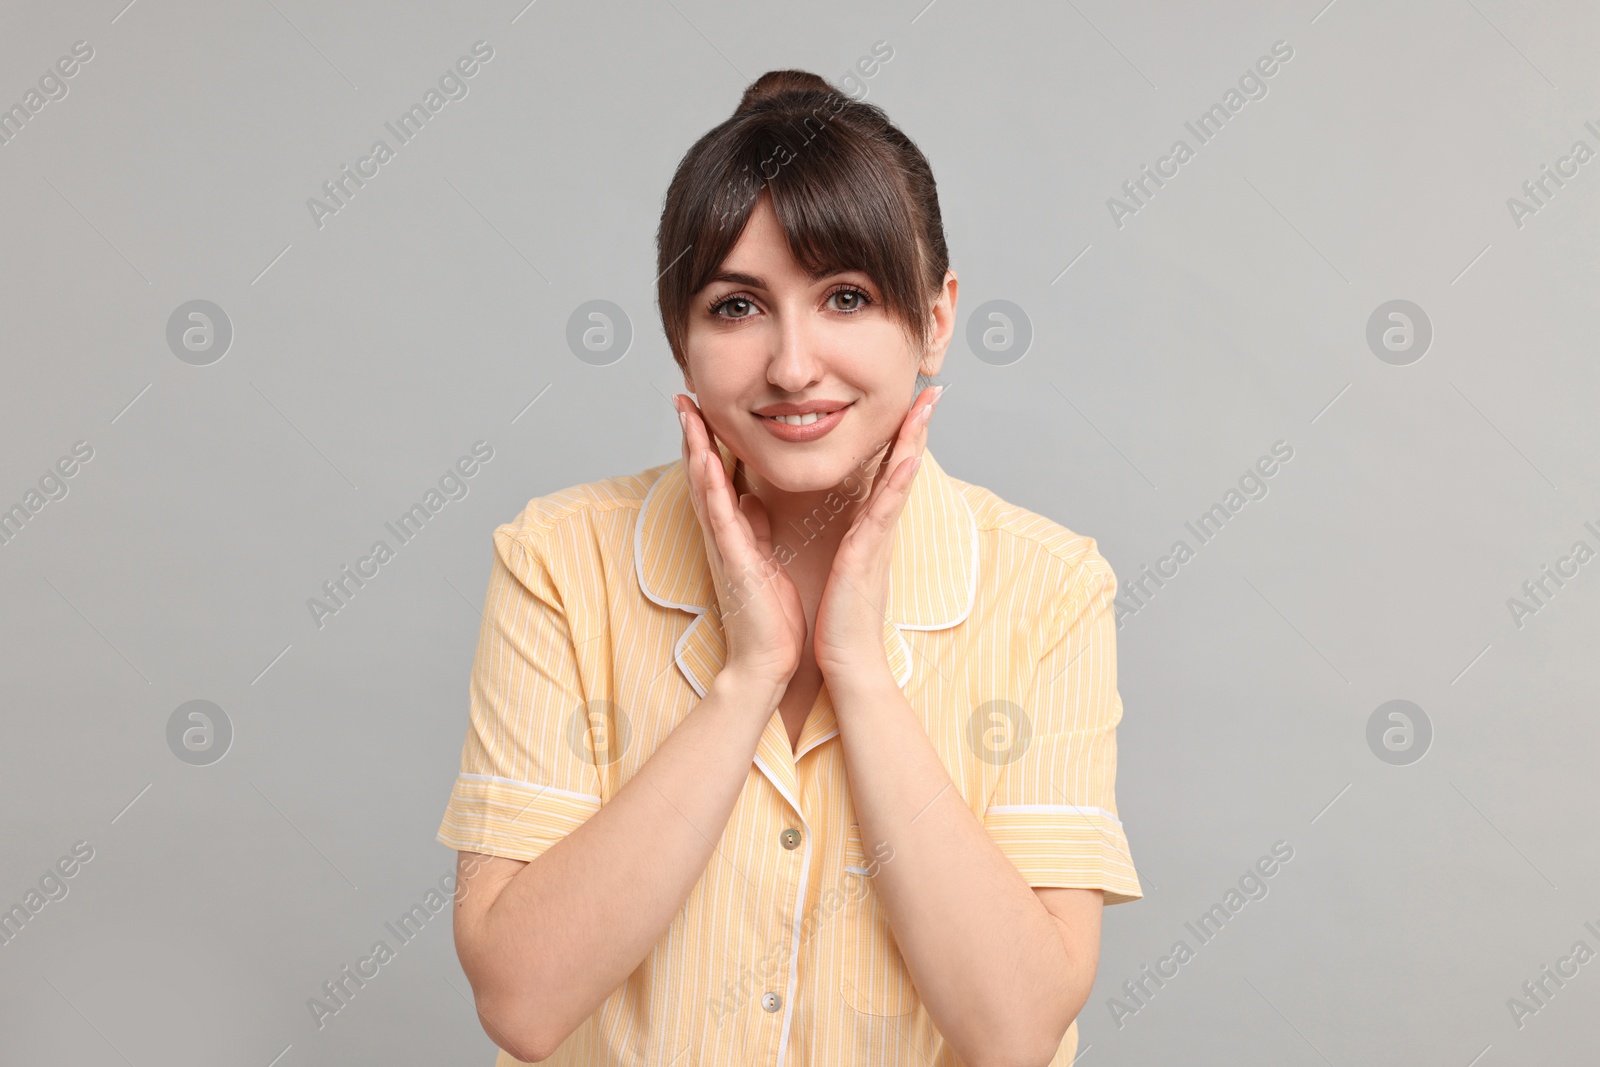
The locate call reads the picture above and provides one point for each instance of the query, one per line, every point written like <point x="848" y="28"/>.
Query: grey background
<point x="369" y="354"/>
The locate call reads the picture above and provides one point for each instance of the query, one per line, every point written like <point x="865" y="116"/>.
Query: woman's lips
<point x="784" y="431"/>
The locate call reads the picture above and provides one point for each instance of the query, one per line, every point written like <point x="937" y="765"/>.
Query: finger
<point x="721" y="476"/>
<point x="683" y="437"/>
<point x="734" y="538"/>
<point x="705" y="445"/>
<point x="692" y="463"/>
<point x="731" y="530"/>
<point x="885" y="508"/>
<point x="718" y="477"/>
<point x="699" y="488"/>
<point x="699" y="437"/>
<point x="908" y="441"/>
<point x="755" y="514"/>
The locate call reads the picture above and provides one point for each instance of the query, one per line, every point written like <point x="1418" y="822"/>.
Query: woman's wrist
<point x="750" y="689"/>
<point x="861" y="681"/>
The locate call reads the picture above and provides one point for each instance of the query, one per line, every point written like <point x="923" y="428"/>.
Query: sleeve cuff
<point x="1067" y="846"/>
<point x="503" y="817"/>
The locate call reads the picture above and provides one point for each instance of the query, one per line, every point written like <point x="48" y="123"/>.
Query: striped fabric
<point x="601" y="631"/>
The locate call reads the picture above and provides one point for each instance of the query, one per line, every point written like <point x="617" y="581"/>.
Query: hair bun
<point x="778" y="83"/>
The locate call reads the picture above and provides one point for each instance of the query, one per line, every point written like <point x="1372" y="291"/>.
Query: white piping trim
<point x="677" y="651"/>
<point x="972" y="572"/>
<point x="825" y="737"/>
<point x="799" y="913"/>
<point x="638" y="550"/>
<point x="529" y="785"/>
<point x="696" y="609"/>
<point x="773" y="778"/>
<point x="794" y="954"/>
<point x="1050" y="809"/>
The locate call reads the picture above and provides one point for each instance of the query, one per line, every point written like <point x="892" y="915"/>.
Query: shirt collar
<point x="932" y="569"/>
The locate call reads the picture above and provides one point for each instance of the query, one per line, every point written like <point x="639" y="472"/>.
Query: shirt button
<point x="790" y="839"/>
<point x="771" y="1001"/>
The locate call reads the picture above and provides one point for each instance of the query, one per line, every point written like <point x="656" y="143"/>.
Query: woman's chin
<point x="813" y="473"/>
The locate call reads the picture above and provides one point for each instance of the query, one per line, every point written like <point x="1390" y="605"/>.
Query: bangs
<point x="839" y="210"/>
<point x="834" y="190"/>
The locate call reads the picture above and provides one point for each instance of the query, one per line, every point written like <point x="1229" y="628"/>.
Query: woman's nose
<point x="795" y="363"/>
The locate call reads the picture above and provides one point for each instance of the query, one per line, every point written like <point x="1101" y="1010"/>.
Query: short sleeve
<point x="1054" y="810"/>
<point x="524" y="782"/>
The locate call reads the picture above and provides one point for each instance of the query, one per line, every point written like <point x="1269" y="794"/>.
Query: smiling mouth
<point x="803" y="419"/>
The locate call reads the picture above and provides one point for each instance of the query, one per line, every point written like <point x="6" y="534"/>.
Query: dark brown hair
<point x="849" y="189"/>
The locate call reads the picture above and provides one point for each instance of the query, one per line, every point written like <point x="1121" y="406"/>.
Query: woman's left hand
<point x="847" y="638"/>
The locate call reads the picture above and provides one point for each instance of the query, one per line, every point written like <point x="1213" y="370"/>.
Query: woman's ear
<point x="943" y="315"/>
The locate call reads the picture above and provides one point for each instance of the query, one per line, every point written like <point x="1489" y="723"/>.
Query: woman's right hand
<point x="763" y="619"/>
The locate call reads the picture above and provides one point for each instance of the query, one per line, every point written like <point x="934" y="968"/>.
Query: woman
<point x="793" y="751"/>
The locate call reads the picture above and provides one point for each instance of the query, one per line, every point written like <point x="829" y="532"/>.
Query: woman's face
<point x="763" y="333"/>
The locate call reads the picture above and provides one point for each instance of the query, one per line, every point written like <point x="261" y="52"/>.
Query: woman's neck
<point x="803" y="522"/>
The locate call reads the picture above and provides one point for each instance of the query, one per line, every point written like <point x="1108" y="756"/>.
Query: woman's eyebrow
<point x="752" y="281"/>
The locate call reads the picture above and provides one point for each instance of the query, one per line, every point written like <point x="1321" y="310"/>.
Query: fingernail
<point x="683" y="420"/>
<point x="939" y="391"/>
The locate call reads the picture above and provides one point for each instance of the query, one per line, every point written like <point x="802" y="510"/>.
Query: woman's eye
<point x="851" y="299"/>
<point x="848" y="300"/>
<point x="740" y="305"/>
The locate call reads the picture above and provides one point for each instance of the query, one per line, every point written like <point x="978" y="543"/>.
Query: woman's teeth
<point x="797" y="420"/>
